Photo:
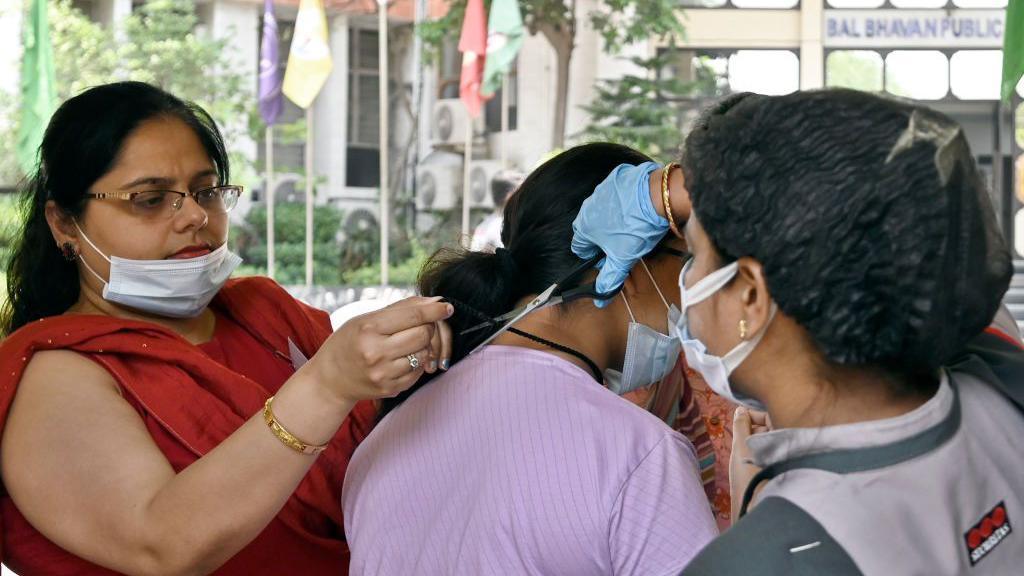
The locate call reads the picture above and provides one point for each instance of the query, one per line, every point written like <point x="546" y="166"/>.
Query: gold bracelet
<point x="285" y="436"/>
<point x="665" y="198"/>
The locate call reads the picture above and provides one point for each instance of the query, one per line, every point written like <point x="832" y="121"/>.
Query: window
<point x="918" y="3"/>
<point x="705" y="72"/>
<point x="492" y="109"/>
<point x="703" y="3"/>
<point x="771" y="72"/>
<point x="979" y="3"/>
<point x="750" y="4"/>
<point x="362" y="167"/>
<point x="855" y="3"/>
<point x="917" y="74"/>
<point x="766" y="4"/>
<point x="976" y="74"/>
<point x="858" y="69"/>
<point x="449" y="73"/>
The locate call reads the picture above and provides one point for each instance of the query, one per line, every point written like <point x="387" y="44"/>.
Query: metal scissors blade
<point x="541" y="300"/>
<point x="554" y="301"/>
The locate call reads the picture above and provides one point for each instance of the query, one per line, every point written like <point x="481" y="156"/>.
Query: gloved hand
<point x="619" y="220"/>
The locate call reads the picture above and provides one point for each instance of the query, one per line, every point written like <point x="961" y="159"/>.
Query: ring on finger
<point x="414" y="362"/>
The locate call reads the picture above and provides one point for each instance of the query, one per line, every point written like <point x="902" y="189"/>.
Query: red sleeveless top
<point x="191" y="398"/>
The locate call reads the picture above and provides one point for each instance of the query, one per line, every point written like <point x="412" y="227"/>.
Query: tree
<point x="157" y="43"/>
<point x="643" y="110"/>
<point x="619" y="22"/>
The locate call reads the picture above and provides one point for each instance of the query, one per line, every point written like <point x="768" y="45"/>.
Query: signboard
<point x="914" y="28"/>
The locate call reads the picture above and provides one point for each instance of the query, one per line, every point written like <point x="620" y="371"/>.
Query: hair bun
<point x="509" y="268"/>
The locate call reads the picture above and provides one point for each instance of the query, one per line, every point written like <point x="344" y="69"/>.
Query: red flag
<point x="473" y="45"/>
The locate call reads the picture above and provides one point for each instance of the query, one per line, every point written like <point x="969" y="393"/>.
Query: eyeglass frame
<point x="181" y="195"/>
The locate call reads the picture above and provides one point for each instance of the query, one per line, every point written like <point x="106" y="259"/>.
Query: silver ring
<point x="414" y="362"/>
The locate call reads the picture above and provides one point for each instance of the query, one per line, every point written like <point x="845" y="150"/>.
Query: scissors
<point x="553" y="296"/>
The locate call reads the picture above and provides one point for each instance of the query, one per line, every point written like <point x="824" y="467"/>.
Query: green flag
<point x="1013" y="47"/>
<point x="38" y="86"/>
<point x="504" y="38"/>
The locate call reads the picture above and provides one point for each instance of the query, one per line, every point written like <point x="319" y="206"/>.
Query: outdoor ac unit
<point x="448" y="123"/>
<point x="481" y="172"/>
<point x="437" y="186"/>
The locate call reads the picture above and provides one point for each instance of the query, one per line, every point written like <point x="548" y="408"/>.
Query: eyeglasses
<point x="163" y="204"/>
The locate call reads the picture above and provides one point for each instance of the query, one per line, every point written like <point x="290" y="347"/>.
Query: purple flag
<point x="270" y="75"/>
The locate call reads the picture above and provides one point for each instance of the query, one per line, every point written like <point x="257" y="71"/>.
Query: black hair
<point x="536" y="233"/>
<point x="873" y="226"/>
<point x="81" y="144"/>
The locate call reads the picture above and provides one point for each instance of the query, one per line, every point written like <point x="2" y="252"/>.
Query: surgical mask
<point x="650" y="355"/>
<point x="716" y="370"/>
<point x="173" y="288"/>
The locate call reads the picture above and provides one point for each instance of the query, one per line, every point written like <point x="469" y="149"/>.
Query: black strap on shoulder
<point x="776" y="538"/>
<point x="997" y="361"/>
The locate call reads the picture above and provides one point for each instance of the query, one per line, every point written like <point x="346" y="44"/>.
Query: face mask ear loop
<point x="82" y="256"/>
<point x="89" y="242"/>
<point x="628" y="309"/>
<point x="655" y="284"/>
<point x="737" y="355"/>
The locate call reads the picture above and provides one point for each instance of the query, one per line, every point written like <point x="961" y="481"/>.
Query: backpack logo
<point x="988" y="533"/>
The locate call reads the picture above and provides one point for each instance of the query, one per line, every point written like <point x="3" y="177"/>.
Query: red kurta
<point x="191" y="398"/>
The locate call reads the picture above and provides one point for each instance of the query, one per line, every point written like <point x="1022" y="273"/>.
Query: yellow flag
<point x="309" y="62"/>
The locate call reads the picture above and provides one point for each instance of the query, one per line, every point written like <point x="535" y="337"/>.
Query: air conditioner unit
<point x="448" y="123"/>
<point x="360" y="221"/>
<point x="481" y="172"/>
<point x="437" y="186"/>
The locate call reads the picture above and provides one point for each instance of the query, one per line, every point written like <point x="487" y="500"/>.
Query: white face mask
<point x="650" y="355"/>
<point x="716" y="370"/>
<point x="174" y="288"/>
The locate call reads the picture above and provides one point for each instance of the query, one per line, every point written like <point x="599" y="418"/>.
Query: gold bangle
<point x="285" y="436"/>
<point x="665" y="198"/>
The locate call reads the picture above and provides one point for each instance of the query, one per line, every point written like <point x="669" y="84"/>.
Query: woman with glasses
<point x="157" y="417"/>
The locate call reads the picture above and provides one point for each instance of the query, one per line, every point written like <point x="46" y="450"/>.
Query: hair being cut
<point x="536" y="233"/>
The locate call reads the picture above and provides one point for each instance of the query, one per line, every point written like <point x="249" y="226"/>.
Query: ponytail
<point x="537" y="231"/>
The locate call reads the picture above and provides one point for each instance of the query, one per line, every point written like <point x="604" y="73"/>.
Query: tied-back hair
<point x="81" y="144"/>
<point x="536" y="233"/>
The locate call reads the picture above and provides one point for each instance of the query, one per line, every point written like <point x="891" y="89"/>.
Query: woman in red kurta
<point x="146" y="428"/>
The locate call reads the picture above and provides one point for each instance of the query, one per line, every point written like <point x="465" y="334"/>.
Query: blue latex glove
<point x="619" y="220"/>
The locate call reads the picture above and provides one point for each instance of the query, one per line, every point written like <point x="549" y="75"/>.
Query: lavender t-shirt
<point x="518" y="462"/>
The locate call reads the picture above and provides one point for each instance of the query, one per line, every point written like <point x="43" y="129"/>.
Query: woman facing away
<point x="521" y="459"/>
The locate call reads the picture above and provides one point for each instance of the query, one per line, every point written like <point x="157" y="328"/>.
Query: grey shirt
<point x="936" y="491"/>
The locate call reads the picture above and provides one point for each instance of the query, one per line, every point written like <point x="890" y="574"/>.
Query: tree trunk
<point x="562" y="38"/>
<point x="564" y="58"/>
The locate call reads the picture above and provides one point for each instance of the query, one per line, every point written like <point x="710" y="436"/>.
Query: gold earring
<point x="743" y="329"/>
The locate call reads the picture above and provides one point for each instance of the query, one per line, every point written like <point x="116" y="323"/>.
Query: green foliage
<point x="619" y="22"/>
<point x="249" y="240"/>
<point x="622" y="22"/>
<point x="158" y="43"/>
<point x="84" y="52"/>
<point x="851" y="69"/>
<point x="643" y="111"/>
<point x="402" y="274"/>
<point x="10" y="221"/>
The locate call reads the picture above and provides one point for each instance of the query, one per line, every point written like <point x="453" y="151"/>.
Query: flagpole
<point x="269" y="196"/>
<point x="504" y="121"/>
<point x="385" y="204"/>
<point x="309" y="195"/>
<point x="466" y="157"/>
